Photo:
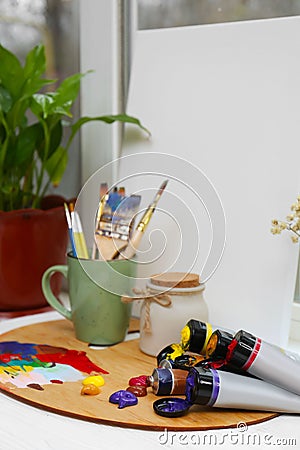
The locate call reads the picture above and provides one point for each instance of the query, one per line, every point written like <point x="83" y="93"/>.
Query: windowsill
<point x="295" y="324"/>
<point x="294" y="346"/>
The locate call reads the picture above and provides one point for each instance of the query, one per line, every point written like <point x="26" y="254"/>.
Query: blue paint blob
<point x="16" y="348"/>
<point x="123" y="398"/>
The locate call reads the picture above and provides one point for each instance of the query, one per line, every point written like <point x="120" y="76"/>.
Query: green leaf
<point x="33" y="86"/>
<point x="2" y="135"/>
<point x="107" y="119"/>
<point x="6" y="188"/>
<point x="35" y="64"/>
<point x="12" y="74"/>
<point x="68" y="91"/>
<point x="34" y="68"/>
<point x="26" y="145"/>
<point x="62" y="110"/>
<point x="56" y="165"/>
<point x="5" y="100"/>
<point x="41" y="104"/>
<point x="16" y="116"/>
<point x="20" y="151"/>
<point x="56" y="134"/>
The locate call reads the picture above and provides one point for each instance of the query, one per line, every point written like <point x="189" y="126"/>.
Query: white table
<point x="28" y="428"/>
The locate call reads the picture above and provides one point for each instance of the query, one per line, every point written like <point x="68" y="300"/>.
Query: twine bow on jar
<point x="149" y="296"/>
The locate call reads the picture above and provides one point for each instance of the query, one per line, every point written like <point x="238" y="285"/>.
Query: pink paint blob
<point x="141" y="380"/>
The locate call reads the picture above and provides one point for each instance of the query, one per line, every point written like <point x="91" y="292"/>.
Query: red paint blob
<point x="141" y="380"/>
<point x="7" y="357"/>
<point x="56" y="381"/>
<point x="36" y="386"/>
<point x="73" y="358"/>
<point x="138" y="391"/>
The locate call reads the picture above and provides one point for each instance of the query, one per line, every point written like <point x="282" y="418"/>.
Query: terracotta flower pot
<point x="31" y="240"/>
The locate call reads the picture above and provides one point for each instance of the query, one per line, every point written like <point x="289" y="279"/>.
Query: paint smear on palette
<point x="28" y="365"/>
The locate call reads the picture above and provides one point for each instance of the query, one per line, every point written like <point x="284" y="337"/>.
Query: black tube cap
<point x="168" y="352"/>
<point x="198" y="332"/>
<point x="165" y="353"/>
<point x="199" y="386"/>
<point x="245" y="343"/>
<point x="171" y="407"/>
<point x="223" y="340"/>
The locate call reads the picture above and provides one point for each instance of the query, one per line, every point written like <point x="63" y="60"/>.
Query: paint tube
<point x="195" y="336"/>
<point x="183" y="362"/>
<point x="210" y="387"/>
<point x="217" y="345"/>
<point x="216" y="351"/>
<point x="166" y="381"/>
<point x="170" y="352"/>
<point x="264" y="360"/>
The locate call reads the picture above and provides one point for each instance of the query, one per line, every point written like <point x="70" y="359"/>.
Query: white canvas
<point x="226" y="98"/>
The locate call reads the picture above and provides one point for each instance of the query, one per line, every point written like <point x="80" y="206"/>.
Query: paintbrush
<point x="115" y="223"/>
<point x="68" y="217"/>
<point x="130" y="250"/>
<point x="103" y="199"/>
<point x="80" y="243"/>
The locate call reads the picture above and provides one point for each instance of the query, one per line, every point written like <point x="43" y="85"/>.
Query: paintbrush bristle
<point x="163" y="186"/>
<point x="159" y="193"/>
<point x="68" y="215"/>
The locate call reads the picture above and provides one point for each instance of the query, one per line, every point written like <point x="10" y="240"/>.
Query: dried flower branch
<point x="291" y="224"/>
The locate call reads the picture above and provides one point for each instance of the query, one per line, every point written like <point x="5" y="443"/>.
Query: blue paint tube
<point x="165" y="381"/>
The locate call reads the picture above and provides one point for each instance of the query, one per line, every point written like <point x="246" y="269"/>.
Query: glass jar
<point x="171" y="300"/>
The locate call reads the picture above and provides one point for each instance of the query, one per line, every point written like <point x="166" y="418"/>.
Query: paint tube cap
<point x="171" y="407"/>
<point x="166" y="364"/>
<point x="183" y="362"/>
<point x="162" y="380"/>
<point x="241" y="348"/>
<point x="217" y="345"/>
<point x="170" y="352"/>
<point x="198" y="333"/>
<point x="199" y="386"/>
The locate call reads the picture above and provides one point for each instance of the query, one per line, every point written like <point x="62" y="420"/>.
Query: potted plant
<point x="33" y="154"/>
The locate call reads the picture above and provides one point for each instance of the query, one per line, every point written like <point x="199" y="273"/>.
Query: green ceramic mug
<point x="95" y="289"/>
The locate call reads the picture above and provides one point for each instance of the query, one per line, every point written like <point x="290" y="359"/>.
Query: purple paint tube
<point x="210" y="387"/>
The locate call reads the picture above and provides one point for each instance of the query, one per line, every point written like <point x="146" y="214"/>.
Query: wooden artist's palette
<point x="122" y="361"/>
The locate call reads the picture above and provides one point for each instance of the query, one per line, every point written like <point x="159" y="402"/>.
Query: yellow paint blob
<point x="97" y="380"/>
<point x="211" y="345"/>
<point x="177" y="351"/>
<point x="90" y="389"/>
<point x="185" y="336"/>
<point x="209" y="332"/>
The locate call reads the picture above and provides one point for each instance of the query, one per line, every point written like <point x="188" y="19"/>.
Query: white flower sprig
<point x="291" y="224"/>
